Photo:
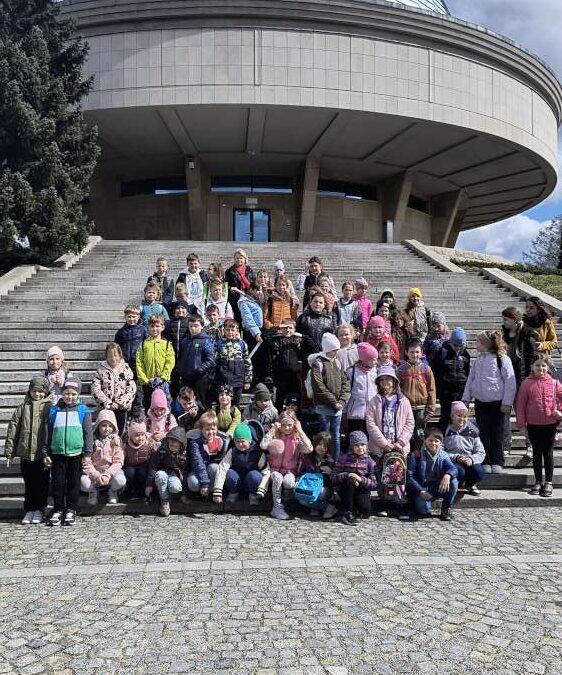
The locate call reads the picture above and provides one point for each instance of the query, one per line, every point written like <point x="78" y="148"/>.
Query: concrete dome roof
<point x="438" y="6"/>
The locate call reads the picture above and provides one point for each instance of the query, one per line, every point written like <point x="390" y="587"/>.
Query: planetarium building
<point x="311" y="120"/>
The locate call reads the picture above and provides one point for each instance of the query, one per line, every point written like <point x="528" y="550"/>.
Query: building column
<point x="198" y="186"/>
<point x="395" y="195"/>
<point x="447" y="214"/>
<point x="308" y="196"/>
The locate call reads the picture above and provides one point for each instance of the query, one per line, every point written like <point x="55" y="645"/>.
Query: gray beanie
<point x="357" y="438"/>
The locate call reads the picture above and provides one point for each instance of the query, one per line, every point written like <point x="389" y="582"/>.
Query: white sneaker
<point x="112" y="497"/>
<point x="37" y="518"/>
<point x="497" y="468"/>
<point x="487" y="468"/>
<point x="232" y="498"/>
<point x="278" y="512"/>
<point x="528" y="453"/>
<point x="28" y="518"/>
<point x="330" y="511"/>
<point x="92" y="497"/>
<point x="473" y="490"/>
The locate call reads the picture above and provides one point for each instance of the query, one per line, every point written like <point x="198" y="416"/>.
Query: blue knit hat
<point x="458" y="336"/>
<point x="357" y="438"/>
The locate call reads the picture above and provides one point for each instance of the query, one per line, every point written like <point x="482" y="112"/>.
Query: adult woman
<point x="538" y="318"/>
<point x="240" y="276"/>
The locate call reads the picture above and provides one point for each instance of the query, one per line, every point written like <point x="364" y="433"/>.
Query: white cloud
<point x="507" y="238"/>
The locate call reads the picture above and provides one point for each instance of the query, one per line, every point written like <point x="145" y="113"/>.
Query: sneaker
<point x="92" y="497"/>
<point x="112" y="497"/>
<point x="26" y="520"/>
<point x="278" y="512"/>
<point x="37" y="518"/>
<point x="55" y="519"/>
<point x="446" y="514"/>
<point x="348" y="518"/>
<point x="253" y="499"/>
<point x="382" y="514"/>
<point x="536" y="489"/>
<point x="528" y="453"/>
<point x="232" y="498"/>
<point x="497" y="468"/>
<point x="330" y="511"/>
<point x="546" y="490"/>
<point x="487" y="468"/>
<point x="165" y="509"/>
<point x="70" y="518"/>
<point x="473" y="490"/>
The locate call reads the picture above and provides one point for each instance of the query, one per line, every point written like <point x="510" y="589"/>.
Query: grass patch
<point x="547" y="283"/>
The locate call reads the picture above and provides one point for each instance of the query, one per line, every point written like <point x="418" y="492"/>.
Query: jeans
<point x="248" y="482"/>
<point x="116" y="483"/>
<point x="542" y="440"/>
<point x="469" y="475"/>
<point x="490" y="421"/>
<point x="280" y="481"/>
<point x="424" y="507"/>
<point x="354" y="498"/>
<point x="36" y="482"/>
<point x="330" y="420"/>
<point x="166" y="484"/>
<point x="136" y="479"/>
<point x="193" y="484"/>
<point x="65" y="477"/>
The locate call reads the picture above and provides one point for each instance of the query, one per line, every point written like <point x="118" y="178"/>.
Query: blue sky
<point x="536" y="26"/>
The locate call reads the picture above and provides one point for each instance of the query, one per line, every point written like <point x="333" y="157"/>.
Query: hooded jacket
<point x="329" y="384"/>
<point x="114" y="385"/>
<point x="164" y="460"/>
<point x="404" y="422"/>
<point x="419" y="470"/>
<point x="451" y="370"/>
<point x="197" y="356"/>
<point x="23" y="438"/>
<point x="129" y="339"/>
<point x="363" y="387"/>
<point x="486" y="382"/>
<point x="107" y="454"/>
<point x="252" y="315"/>
<point x="465" y="442"/>
<point x="234" y="366"/>
<point x="284" y="355"/>
<point x="155" y="358"/>
<point x="314" y="325"/>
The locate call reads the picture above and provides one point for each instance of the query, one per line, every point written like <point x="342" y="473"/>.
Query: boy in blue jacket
<point x="431" y="475"/>
<point x="205" y="452"/>
<point x="234" y="366"/>
<point x="197" y="359"/>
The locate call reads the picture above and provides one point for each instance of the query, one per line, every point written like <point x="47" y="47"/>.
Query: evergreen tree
<point x="47" y="150"/>
<point x="546" y="249"/>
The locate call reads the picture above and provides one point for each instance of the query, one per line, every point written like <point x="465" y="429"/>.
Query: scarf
<point x="241" y="270"/>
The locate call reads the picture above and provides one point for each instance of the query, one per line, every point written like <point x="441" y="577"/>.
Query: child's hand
<point x="217" y="499"/>
<point x="205" y="491"/>
<point x="505" y="409"/>
<point x="59" y="378"/>
<point x="148" y="490"/>
<point x="445" y="484"/>
<point x="247" y="386"/>
<point x="104" y="479"/>
<point x="356" y="479"/>
<point x="298" y="427"/>
<point x="47" y="462"/>
<point x="114" y="406"/>
<point x="338" y="406"/>
<point x="158" y="435"/>
<point x="426" y="496"/>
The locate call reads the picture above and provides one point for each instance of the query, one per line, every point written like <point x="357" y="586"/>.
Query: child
<point x="399" y="330"/>
<point x="165" y="283"/>
<point x="244" y="469"/>
<point x="361" y="287"/>
<point x="187" y="409"/>
<point x="138" y="448"/>
<point x="384" y="310"/>
<point x="130" y="336"/>
<point x="233" y="364"/>
<point x="325" y="285"/>
<point x="315" y="321"/>
<point x="374" y="333"/>
<point x="175" y="330"/>
<point x="263" y="288"/>
<point x="279" y="273"/>
<point x="213" y="323"/>
<point x="261" y="409"/>
<point x="384" y="359"/>
<point x="220" y="301"/>
<point x="23" y="440"/>
<point x="228" y="415"/>
<point x="284" y="355"/>
<point x="167" y="468"/>
<point x="279" y="306"/>
<point x="314" y="271"/>
<point x="56" y="372"/>
<point x="151" y="304"/>
<point x="159" y="420"/>
<point x="452" y="366"/>
<point x="155" y="360"/>
<point x="431" y="475"/>
<point x="418" y="385"/>
<point x="362" y="377"/>
<point x="104" y="465"/>
<point x="492" y="384"/>
<point x="205" y="452"/>
<point x="436" y="338"/>
<point x="330" y="388"/>
<point x="114" y="387"/>
<point x="418" y="314"/>
<point x="194" y="279"/>
<point x="349" y="307"/>
<point x="251" y="315"/>
<point x="387" y="297"/>
<point x="462" y="442"/>
<point x="354" y="478"/>
<point x="67" y="434"/>
<point x="197" y="361"/>
<point x="539" y="411"/>
<point x="180" y="293"/>
<point x="347" y="353"/>
<point x="321" y="461"/>
<point x="285" y="442"/>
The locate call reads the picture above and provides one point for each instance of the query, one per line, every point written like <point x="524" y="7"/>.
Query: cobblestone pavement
<point x="244" y="594"/>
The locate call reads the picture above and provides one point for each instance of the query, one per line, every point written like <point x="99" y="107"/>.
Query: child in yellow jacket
<point x="155" y="361"/>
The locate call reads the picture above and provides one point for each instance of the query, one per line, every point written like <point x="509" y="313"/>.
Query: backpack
<point x="402" y="371"/>
<point x="308" y="380"/>
<point x="308" y="488"/>
<point x="393" y="477"/>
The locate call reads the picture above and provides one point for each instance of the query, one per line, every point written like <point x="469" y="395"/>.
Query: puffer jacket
<point x="107" y="454"/>
<point x="150" y="308"/>
<point x="537" y="400"/>
<point x="23" y="438"/>
<point x="176" y="330"/>
<point x="114" y="385"/>
<point x="313" y="326"/>
<point x="164" y="460"/>
<point x="329" y="384"/>
<point x="363" y="388"/>
<point x="252" y="315"/>
<point x="284" y="355"/>
<point x="277" y="309"/>
<point x="199" y="459"/>
<point x="234" y="366"/>
<point x="451" y="370"/>
<point x="197" y="357"/>
<point x="486" y="382"/>
<point x="129" y="339"/>
<point x="155" y="358"/>
<point x="404" y="422"/>
<point x="465" y="442"/>
<point x="418" y="385"/>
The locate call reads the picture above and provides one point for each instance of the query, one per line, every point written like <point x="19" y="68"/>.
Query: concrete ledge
<point x="432" y="257"/>
<point x="16" y="277"/>
<point x="68" y="260"/>
<point x="521" y="288"/>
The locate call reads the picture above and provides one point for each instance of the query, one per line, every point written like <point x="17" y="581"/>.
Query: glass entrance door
<point x="250" y="225"/>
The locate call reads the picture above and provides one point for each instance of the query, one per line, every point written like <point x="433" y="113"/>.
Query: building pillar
<point x="198" y="187"/>
<point x="308" y="196"/>
<point x="447" y="215"/>
<point x="395" y="195"/>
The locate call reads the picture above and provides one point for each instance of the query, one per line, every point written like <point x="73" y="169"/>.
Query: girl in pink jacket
<point x="159" y="419"/>
<point x="539" y="409"/>
<point x="285" y="442"/>
<point x="104" y="466"/>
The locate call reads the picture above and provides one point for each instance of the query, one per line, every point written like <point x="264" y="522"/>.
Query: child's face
<point x="159" y="411"/>
<point x="230" y="332"/>
<point x="209" y="433"/>
<point x="384" y="312"/>
<point x="262" y="405"/>
<point x="438" y="327"/>
<point x="482" y="345"/>
<point x="287" y="329"/>
<point x="457" y="346"/>
<point x="415" y="300"/>
<point x="360" y="290"/>
<point x="195" y="328"/>
<point x="509" y="323"/>
<point x="193" y="265"/>
<point x="384" y="355"/>
<point x="377" y="332"/>
<point x="531" y="309"/>
<point x="459" y="419"/>
<point x="317" y="304"/>
<point x="216" y="293"/>
<point x="113" y="359"/>
<point x="174" y="446"/>
<point x="433" y="445"/>
<point x="155" y="329"/>
<point x="347" y="292"/>
<point x="321" y="450"/>
<point x="187" y="403"/>
<point x="182" y="295"/>
<point x="161" y="267"/>
<point x="540" y="368"/>
<point x="54" y="362"/>
<point x="37" y="394"/>
<point x="282" y="287"/>
<point x="105" y="429"/>
<point x="180" y="312"/>
<point x="314" y="268"/>
<point x="262" y="279"/>
<point x="138" y="438"/>
<point x="388" y="299"/>
<point x="213" y="317"/>
<point x="150" y="295"/>
<point x="368" y="363"/>
<point x="287" y="425"/>
<point x="225" y="400"/>
<point x="325" y="286"/>
<point x="386" y="385"/>
<point x="345" y="336"/>
<point x="414" y="354"/>
<point x="359" y="450"/>
<point x="242" y="444"/>
<point x="132" y="318"/>
<point x="70" y="396"/>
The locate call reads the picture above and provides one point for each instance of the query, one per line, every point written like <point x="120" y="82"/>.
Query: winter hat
<point x="106" y="416"/>
<point x="415" y="291"/>
<point x="378" y="322"/>
<point x="226" y="389"/>
<point x="438" y="317"/>
<point x="55" y="351"/>
<point x="361" y="282"/>
<point x="137" y="427"/>
<point x="261" y="393"/>
<point x="458" y="336"/>
<point x="365" y="351"/>
<point x="357" y="438"/>
<point x="276" y="447"/>
<point x="279" y="266"/>
<point x="387" y="371"/>
<point x="242" y="432"/>
<point x="72" y="382"/>
<point x="178" y="434"/>
<point x="329" y="343"/>
<point x="387" y="292"/>
<point x="457" y="407"/>
<point x="180" y="303"/>
<point x="39" y="383"/>
<point x="158" y="399"/>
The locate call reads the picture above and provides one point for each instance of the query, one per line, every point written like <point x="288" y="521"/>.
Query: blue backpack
<point x="308" y="488"/>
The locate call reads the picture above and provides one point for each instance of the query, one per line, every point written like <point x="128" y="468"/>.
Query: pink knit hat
<point x="458" y="407"/>
<point x="158" y="399"/>
<point x="55" y="351"/>
<point x="365" y="351"/>
<point x="377" y="321"/>
<point x="137" y="427"/>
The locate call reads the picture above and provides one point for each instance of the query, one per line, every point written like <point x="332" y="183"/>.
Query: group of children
<point x="341" y="400"/>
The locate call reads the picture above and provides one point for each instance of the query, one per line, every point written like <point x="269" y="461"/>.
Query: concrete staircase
<point x="81" y="308"/>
